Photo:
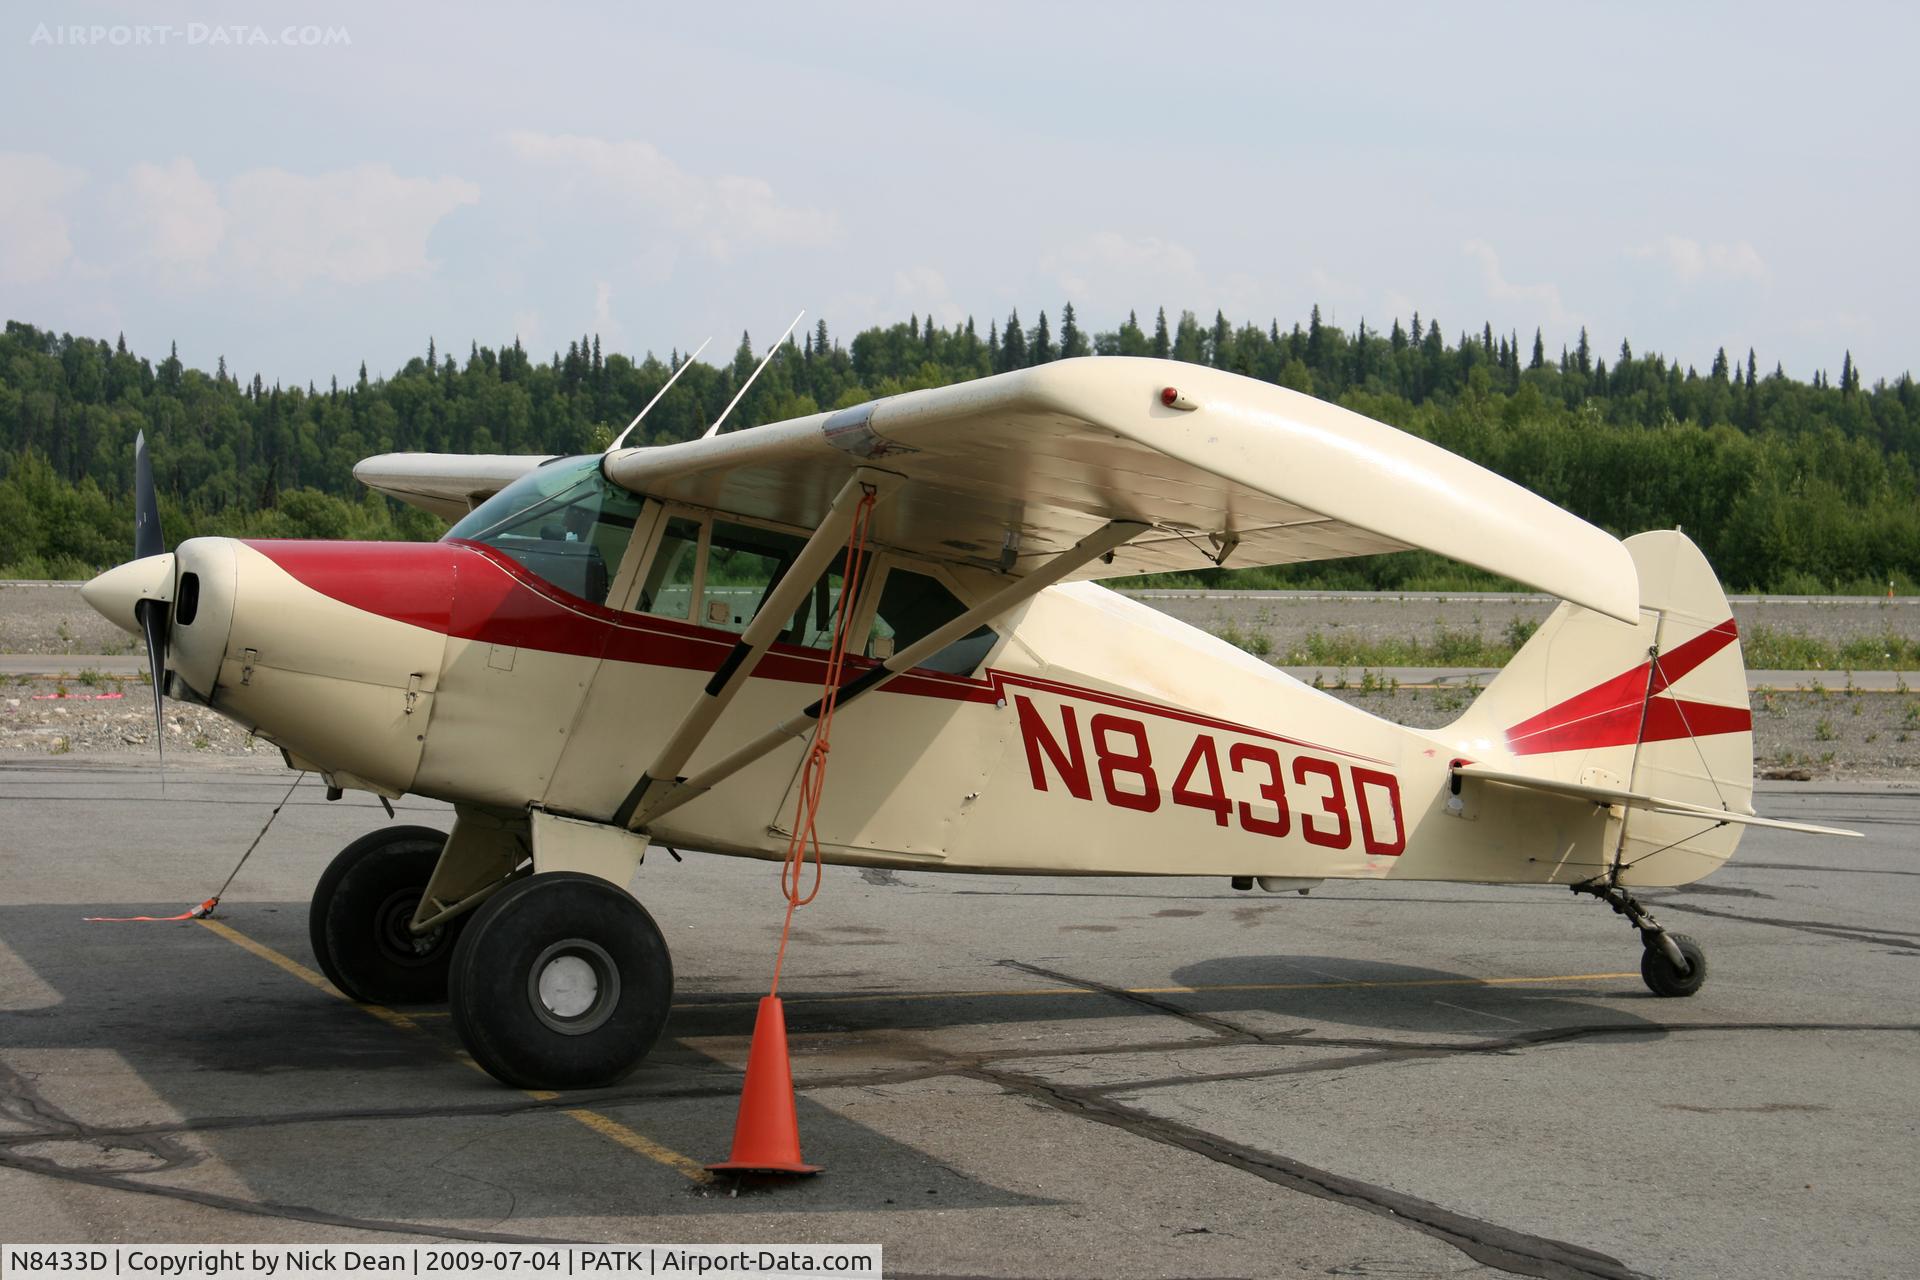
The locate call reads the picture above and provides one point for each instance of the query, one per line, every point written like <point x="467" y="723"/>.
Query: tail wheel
<point x="1663" y="977"/>
<point x="361" y="913"/>
<point x="560" y="981"/>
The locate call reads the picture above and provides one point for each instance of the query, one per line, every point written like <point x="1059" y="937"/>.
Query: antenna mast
<point x="764" y="362"/>
<point x="621" y="438"/>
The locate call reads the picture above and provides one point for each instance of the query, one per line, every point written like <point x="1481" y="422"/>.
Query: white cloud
<point x="724" y="215"/>
<point x="1543" y="299"/>
<point x="1109" y="269"/>
<point x="528" y="329"/>
<point x="272" y="230"/>
<point x="923" y="291"/>
<point x="1691" y="261"/>
<point x="351" y="227"/>
<point x="171" y="217"/>
<point x="34" y="240"/>
<point x="604" y="322"/>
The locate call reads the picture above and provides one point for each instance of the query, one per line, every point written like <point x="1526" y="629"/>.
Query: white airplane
<point x="610" y="651"/>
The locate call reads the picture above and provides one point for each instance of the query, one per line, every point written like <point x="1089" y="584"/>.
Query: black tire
<point x="1657" y="970"/>
<point x="511" y="1002"/>
<point x="359" y="917"/>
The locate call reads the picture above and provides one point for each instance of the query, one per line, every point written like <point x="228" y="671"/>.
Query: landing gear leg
<point x="1671" y="964"/>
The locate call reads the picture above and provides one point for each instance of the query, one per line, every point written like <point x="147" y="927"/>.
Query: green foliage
<point x="1766" y="648"/>
<point x="1787" y="486"/>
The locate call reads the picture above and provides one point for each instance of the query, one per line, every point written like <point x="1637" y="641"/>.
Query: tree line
<point x="1788" y="485"/>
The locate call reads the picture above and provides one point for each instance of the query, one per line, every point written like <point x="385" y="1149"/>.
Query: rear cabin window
<point x="563" y="522"/>
<point x="912" y="607"/>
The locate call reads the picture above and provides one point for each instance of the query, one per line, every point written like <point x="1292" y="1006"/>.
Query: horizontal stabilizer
<point x="1637" y="800"/>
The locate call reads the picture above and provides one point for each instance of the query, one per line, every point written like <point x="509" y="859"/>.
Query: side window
<point x="913" y="606"/>
<point x="743" y="563"/>
<point x="668" y="590"/>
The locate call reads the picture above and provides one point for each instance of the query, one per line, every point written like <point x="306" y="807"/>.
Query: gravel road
<point x="1830" y="733"/>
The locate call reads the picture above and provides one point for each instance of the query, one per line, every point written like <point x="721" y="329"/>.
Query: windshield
<point x="563" y="521"/>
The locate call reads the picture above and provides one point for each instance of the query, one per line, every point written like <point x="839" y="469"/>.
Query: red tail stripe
<point x="1667" y="719"/>
<point x="1608" y="715"/>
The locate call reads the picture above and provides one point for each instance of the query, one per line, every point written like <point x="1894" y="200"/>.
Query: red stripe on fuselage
<point x="471" y="591"/>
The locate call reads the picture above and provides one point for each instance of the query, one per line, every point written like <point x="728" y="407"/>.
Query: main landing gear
<point x="559" y="980"/>
<point x="1671" y="964"/>
<point x="361" y="915"/>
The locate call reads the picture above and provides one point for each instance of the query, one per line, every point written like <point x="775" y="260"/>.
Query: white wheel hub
<point x="568" y="986"/>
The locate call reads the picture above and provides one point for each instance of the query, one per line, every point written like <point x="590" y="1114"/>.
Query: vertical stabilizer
<point x="1659" y="708"/>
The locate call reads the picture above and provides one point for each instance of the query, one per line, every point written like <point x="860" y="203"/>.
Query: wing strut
<point x="827" y="541"/>
<point x="669" y="797"/>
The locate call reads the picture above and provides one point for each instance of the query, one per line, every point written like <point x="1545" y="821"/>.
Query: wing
<point x="1010" y="470"/>
<point x="447" y="484"/>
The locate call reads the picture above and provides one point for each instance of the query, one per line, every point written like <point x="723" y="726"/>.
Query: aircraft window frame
<point x="663" y="514"/>
<point x="647" y="528"/>
<point x="880" y="563"/>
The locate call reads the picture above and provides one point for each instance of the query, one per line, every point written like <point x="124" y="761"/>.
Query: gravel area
<point x="1833" y="733"/>
<point x="52" y="618"/>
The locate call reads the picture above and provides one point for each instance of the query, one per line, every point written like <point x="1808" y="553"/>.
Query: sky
<point x="302" y="187"/>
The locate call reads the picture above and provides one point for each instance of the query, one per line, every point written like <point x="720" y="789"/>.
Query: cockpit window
<point x="563" y="522"/>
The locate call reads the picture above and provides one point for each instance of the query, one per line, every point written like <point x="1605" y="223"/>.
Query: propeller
<point x="153" y="614"/>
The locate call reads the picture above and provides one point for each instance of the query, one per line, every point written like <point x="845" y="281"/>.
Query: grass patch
<point x="1764" y="650"/>
<point x="1446" y="647"/>
<point x="1768" y="649"/>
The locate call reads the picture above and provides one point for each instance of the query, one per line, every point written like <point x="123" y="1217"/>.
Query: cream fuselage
<point x="1098" y="737"/>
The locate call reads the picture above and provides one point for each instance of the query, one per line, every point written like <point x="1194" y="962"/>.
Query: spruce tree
<point x="1013" y="343"/>
<point x="1072" y="342"/>
<point x="1539" y="352"/>
<point x="1042" y="342"/>
<point x="1162" y="342"/>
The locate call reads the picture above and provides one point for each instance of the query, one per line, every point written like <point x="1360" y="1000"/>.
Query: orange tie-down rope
<point x="813" y="774"/>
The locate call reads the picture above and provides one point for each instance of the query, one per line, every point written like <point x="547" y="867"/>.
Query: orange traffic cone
<point x="766" y="1136"/>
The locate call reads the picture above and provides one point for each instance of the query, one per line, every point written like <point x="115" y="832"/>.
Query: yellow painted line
<point x="605" y="1126"/>
<point x="306" y="975"/>
<point x="640" y="1144"/>
<point x="917" y="996"/>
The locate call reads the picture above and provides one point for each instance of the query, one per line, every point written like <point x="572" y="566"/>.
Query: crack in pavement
<point x="1484" y="1242"/>
<point x="1487" y="1243"/>
<point x="20" y="1098"/>
<point x="1220" y="1027"/>
<point x="1491" y="1048"/>
<point x="1872" y="937"/>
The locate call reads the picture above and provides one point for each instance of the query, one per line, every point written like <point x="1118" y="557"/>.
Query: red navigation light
<point x="1168" y="395"/>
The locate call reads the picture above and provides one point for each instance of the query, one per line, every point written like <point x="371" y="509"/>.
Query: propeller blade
<point x="153" y="614"/>
<point x="153" y="625"/>
<point x="147" y="540"/>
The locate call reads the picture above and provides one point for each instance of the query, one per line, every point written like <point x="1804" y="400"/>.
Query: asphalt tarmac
<point x="1003" y="1077"/>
